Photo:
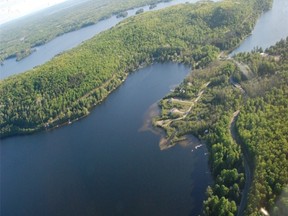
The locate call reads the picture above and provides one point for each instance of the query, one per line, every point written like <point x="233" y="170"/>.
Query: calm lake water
<point x="270" y="28"/>
<point x="104" y="164"/>
<point x="68" y="41"/>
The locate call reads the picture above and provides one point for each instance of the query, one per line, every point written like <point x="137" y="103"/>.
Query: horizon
<point x="14" y="9"/>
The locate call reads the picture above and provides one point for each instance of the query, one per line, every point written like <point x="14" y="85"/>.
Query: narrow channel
<point x="70" y="40"/>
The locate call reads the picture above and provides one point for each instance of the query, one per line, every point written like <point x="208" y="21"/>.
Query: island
<point x="70" y="85"/>
<point x="19" y="38"/>
<point x="152" y="6"/>
<point x="139" y="11"/>
<point x="122" y="14"/>
<point x="236" y="106"/>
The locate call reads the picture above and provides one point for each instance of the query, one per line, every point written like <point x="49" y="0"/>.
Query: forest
<point x="215" y="101"/>
<point x="262" y="126"/>
<point x="68" y="86"/>
<point x="209" y="120"/>
<point x="258" y="103"/>
<point x="18" y="39"/>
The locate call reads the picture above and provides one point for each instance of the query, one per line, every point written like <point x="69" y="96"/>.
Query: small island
<point x="139" y="11"/>
<point x="236" y="106"/>
<point x="122" y="14"/>
<point x="152" y="6"/>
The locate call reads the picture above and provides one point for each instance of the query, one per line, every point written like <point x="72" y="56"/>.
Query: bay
<point x="105" y="164"/>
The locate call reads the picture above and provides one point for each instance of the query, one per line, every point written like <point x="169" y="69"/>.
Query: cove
<point x="104" y="164"/>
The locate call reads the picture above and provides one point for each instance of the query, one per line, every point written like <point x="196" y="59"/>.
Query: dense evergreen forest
<point x="210" y="101"/>
<point x="19" y="38"/>
<point x="237" y="106"/>
<point x="68" y="86"/>
<point x="263" y="127"/>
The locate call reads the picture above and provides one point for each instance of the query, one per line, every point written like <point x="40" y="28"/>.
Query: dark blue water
<point x="103" y="164"/>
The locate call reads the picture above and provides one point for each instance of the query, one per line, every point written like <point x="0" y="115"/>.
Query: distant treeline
<point x="18" y="38"/>
<point x="68" y="86"/>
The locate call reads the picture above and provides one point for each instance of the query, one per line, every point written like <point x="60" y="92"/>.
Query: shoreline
<point x="73" y="120"/>
<point x="33" y="48"/>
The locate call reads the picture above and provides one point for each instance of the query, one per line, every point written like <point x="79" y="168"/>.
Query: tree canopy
<point x="68" y="86"/>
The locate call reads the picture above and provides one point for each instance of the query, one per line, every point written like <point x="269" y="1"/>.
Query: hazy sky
<point x="12" y="9"/>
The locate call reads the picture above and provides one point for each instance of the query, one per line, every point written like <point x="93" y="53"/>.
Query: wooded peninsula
<point x="238" y="106"/>
<point x="68" y="86"/>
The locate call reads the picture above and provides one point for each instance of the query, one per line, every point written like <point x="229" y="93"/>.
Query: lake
<point x="70" y="40"/>
<point x="270" y="28"/>
<point x="104" y="164"/>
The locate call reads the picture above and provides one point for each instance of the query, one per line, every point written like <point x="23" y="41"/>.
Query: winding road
<point x="247" y="166"/>
<point x="234" y="135"/>
<point x="248" y="175"/>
